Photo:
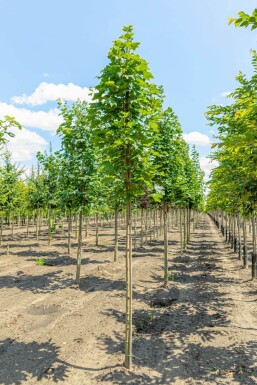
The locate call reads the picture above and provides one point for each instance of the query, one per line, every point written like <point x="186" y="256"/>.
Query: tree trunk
<point x="49" y="226"/>
<point x="69" y="231"/>
<point x="245" y="251"/>
<point x="1" y="230"/>
<point x="239" y="246"/>
<point x="86" y="226"/>
<point x="165" y="227"/>
<point x="188" y="224"/>
<point x="96" y="229"/>
<point x="37" y="224"/>
<point x="160" y="222"/>
<point x="181" y="230"/>
<point x="116" y="243"/>
<point x="12" y="216"/>
<point x="150" y="225"/>
<point x="76" y="227"/>
<point x="79" y="246"/>
<point x="142" y="231"/>
<point x="146" y="225"/>
<point x="254" y="258"/>
<point x="185" y="229"/>
<point x="154" y="224"/>
<point x="27" y="225"/>
<point x="128" y="321"/>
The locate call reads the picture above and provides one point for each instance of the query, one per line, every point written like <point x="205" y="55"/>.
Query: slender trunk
<point x="76" y="227"/>
<point x="185" y="226"/>
<point x="181" y="230"/>
<point x="12" y="216"/>
<point x="142" y="231"/>
<point x="96" y="229"/>
<point x="1" y="230"/>
<point x="239" y="246"/>
<point x="150" y="225"/>
<point x="245" y="251"/>
<point x="116" y="244"/>
<point x="69" y="231"/>
<point x="154" y="223"/>
<point x="226" y="228"/>
<point x="19" y="219"/>
<point x="165" y="227"/>
<point x="86" y="226"/>
<point x="188" y="224"/>
<point x="37" y="224"/>
<point x="146" y="225"/>
<point x="235" y="237"/>
<point x="79" y="246"/>
<point x="27" y="225"/>
<point x="128" y="320"/>
<point x="254" y="258"/>
<point x="49" y="225"/>
<point x="160" y="222"/>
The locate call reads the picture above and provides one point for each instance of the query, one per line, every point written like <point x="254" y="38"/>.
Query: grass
<point x="44" y="262"/>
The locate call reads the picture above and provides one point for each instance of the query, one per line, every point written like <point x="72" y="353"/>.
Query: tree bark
<point x="96" y="229"/>
<point x="116" y="244"/>
<point x="69" y="231"/>
<point x="165" y="227"/>
<point x="239" y="246"/>
<point x="79" y="247"/>
<point x="245" y="251"/>
<point x="128" y="320"/>
<point x="254" y="258"/>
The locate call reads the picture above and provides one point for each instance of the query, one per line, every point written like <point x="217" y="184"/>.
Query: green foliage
<point x="50" y="166"/>
<point x="166" y="157"/>
<point x="124" y="116"/>
<point x="37" y="188"/>
<point x="6" y="125"/>
<point x="44" y="262"/>
<point x="78" y="158"/>
<point x="244" y="20"/>
<point x="12" y="189"/>
<point x="233" y="186"/>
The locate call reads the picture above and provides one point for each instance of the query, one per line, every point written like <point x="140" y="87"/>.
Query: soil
<point x="202" y="329"/>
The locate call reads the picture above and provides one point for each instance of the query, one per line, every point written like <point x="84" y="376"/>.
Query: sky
<point x="56" y="48"/>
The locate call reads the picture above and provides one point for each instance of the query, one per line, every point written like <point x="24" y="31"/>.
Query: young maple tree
<point x="124" y="115"/>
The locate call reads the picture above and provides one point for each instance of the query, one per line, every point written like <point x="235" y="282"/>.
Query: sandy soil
<point x="201" y="330"/>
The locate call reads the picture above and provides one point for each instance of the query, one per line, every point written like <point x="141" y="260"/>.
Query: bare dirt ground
<point x="201" y="330"/>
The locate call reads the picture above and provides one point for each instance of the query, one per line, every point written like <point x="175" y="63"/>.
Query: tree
<point x="10" y="187"/>
<point x="165" y="151"/>
<point x="123" y="117"/>
<point x="79" y="163"/>
<point x="51" y="168"/>
<point x="233" y="184"/>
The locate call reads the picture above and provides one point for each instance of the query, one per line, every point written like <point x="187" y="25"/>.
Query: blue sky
<point x="190" y="48"/>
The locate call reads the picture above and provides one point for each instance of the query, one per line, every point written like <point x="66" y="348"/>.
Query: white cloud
<point x="197" y="138"/>
<point x="207" y="165"/>
<point x="25" y="144"/>
<point x="46" y="92"/>
<point x="47" y="121"/>
<point x="225" y="94"/>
